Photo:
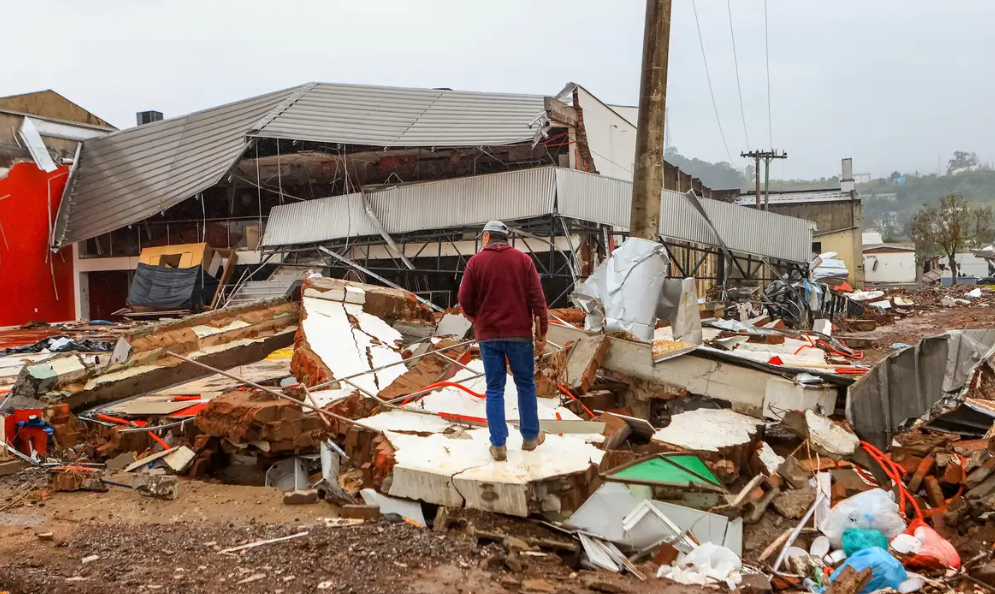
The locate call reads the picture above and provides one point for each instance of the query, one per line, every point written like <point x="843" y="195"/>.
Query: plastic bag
<point x="857" y="539"/>
<point x="936" y="552"/>
<point x="887" y="571"/>
<point x="705" y="565"/>
<point x="870" y="510"/>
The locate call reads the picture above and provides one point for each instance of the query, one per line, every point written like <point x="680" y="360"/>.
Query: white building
<point x="889" y="264"/>
<point x="871" y="238"/>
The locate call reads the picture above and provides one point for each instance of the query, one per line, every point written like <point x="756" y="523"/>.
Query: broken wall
<point x="38" y="285"/>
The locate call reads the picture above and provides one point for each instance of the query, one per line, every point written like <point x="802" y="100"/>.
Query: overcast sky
<point x="891" y="83"/>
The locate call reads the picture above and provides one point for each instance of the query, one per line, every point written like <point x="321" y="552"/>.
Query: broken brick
<point x="427" y="370"/>
<point x="823" y="464"/>
<point x="933" y="492"/>
<point x="847" y="483"/>
<point x="924" y="468"/>
<point x="766" y="338"/>
<point x="966" y="446"/>
<point x="953" y="474"/>
<point x="360" y="512"/>
<point x="256" y="417"/>
<point x="907" y="462"/>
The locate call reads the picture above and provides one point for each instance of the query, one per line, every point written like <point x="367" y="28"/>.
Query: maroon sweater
<point x="502" y="294"/>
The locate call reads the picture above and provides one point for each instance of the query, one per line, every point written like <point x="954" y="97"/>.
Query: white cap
<point x="497" y="227"/>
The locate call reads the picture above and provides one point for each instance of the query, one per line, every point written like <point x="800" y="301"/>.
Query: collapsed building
<point x="397" y="181"/>
<point x="308" y="244"/>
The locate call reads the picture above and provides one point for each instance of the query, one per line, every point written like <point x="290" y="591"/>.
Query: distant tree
<point x="718" y="176"/>
<point x="961" y="160"/>
<point x="895" y="175"/>
<point x="951" y="227"/>
<point x="751" y="173"/>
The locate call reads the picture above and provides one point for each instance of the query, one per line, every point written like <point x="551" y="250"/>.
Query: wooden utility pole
<point x="767" y="157"/>
<point x="647" y="179"/>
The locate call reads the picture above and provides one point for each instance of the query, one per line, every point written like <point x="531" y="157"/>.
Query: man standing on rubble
<point x="502" y="296"/>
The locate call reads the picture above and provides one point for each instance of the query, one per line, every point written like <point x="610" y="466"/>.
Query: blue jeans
<point x="521" y="357"/>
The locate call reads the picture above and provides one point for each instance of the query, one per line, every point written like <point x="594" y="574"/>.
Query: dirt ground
<point x="923" y="323"/>
<point x="121" y="541"/>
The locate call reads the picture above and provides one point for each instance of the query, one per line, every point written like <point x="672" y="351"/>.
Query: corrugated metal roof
<point x="796" y="197"/>
<point x="391" y="116"/>
<point x="133" y="174"/>
<point x="130" y="175"/>
<point x="432" y="205"/>
<point x="605" y="200"/>
<point x="530" y="193"/>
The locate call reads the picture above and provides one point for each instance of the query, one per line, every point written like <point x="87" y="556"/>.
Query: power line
<point x="709" y="78"/>
<point x="770" y="126"/>
<point x="735" y="60"/>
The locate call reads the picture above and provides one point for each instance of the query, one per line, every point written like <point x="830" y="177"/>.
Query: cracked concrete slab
<point x="456" y="470"/>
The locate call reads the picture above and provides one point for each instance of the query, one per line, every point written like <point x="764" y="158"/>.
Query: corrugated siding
<point x="594" y="198"/>
<point x="761" y="233"/>
<point x="605" y="200"/>
<point x="390" y="116"/>
<point x="314" y="221"/>
<point x="417" y="207"/>
<point x="466" y="201"/>
<point x="130" y="175"/>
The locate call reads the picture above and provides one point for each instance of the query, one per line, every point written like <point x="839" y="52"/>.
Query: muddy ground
<point x="922" y="323"/>
<point x="120" y="541"/>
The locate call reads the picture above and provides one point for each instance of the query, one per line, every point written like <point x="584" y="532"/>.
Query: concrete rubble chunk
<point x="792" y="471"/>
<point x="583" y="362"/>
<point x="77" y="479"/>
<point x="347" y="329"/>
<point x="826" y="436"/>
<point x="457" y="471"/>
<point x="795" y="503"/>
<point x="157" y="486"/>
<point x="223" y="338"/>
<point x="730" y="436"/>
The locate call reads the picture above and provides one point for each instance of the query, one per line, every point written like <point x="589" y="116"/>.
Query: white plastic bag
<point x="870" y="510"/>
<point x="704" y="565"/>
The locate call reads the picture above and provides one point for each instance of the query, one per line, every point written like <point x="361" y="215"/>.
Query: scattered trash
<point x="858" y="539"/>
<point x="871" y="510"/>
<point x="674" y="450"/>
<point x="707" y="564"/>
<point x="886" y="571"/>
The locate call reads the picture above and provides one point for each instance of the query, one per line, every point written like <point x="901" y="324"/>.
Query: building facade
<point x="39" y="136"/>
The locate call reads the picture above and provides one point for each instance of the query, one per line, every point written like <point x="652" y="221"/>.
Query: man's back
<point x="502" y="294"/>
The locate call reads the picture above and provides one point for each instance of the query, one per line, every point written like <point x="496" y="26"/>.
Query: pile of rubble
<point x="762" y="458"/>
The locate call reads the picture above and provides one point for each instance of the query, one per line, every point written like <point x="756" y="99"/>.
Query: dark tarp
<point x="165" y="288"/>
<point x="914" y="382"/>
<point x="61" y="344"/>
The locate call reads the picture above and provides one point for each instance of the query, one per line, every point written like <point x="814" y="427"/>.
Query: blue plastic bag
<point x="888" y="571"/>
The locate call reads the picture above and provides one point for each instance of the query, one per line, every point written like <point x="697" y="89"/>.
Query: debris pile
<point x="740" y="451"/>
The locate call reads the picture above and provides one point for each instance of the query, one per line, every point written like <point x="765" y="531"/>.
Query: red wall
<point x="25" y="278"/>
